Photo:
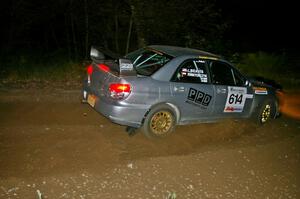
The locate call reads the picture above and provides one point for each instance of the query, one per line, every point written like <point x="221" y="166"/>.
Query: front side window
<point x="240" y="80"/>
<point x="191" y="71"/>
<point x="222" y="73"/>
<point x="147" y="62"/>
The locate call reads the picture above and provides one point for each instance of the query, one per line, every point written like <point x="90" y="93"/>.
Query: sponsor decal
<point x="125" y="64"/>
<point x="200" y="61"/>
<point x="194" y="73"/>
<point x="192" y="70"/>
<point x="236" y="99"/>
<point x="198" y="97"/>
<point x="233" y="109"/>
<point x="260" y="90"/>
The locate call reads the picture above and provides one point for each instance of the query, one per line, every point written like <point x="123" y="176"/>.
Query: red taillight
<point x="89" y="69"/>
<point x="103" y="67"/>
<point x="119" y="88"/>
<point x="119" y="91"/>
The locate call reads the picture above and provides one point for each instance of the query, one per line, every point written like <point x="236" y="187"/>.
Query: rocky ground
<point x="52" y="146"/>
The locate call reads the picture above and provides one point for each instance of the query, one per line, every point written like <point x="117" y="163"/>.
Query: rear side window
<point x="191" y="71"/>
<point x="148" y="62"/>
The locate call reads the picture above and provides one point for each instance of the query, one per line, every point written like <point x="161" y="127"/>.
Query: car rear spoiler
<point x="117" y="64"/>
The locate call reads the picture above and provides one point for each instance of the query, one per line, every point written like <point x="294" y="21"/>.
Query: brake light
<point x="119" y="91"/>
<point x="103" y="67"/>
<point x="89" y="69"/>
<point x="119" y="88"/>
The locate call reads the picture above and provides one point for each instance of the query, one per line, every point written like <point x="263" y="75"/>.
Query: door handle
<point x="179" y="89"/>
<point x="221" y="90"/>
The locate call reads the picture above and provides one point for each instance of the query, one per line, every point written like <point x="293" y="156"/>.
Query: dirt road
<point x="52" y="146"/>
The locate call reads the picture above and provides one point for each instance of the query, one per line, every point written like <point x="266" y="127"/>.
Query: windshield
<point x="147" y="61"/>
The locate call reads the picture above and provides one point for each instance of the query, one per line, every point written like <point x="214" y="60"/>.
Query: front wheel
<point x="159" y="122"/>
<point x="265" y="113"/>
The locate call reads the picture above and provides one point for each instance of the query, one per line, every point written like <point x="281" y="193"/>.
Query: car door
<point x="192" y="91"/>
<point x="233" y="98"/>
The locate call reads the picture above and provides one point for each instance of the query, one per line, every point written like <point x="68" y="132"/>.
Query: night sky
<point x="263" y="25"/>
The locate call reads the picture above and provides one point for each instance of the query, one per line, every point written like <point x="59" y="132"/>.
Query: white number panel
<point x="236" y="99"/>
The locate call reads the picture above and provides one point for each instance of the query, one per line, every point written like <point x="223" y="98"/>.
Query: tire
<point x="159" y="122"/>
<point x="265" y="113"/>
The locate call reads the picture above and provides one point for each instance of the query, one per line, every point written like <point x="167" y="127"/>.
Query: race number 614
<point x="235" y="99"/>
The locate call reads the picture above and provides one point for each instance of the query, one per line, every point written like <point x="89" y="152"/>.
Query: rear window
<point x="147" y="62"/>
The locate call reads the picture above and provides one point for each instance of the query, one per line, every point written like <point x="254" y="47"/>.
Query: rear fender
<point x="173" y="108"/>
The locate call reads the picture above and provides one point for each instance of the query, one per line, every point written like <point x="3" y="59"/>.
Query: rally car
<point x="158" y="87"/>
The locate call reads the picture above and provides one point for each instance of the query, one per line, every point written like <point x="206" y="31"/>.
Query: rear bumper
<point x="119" y="112"/>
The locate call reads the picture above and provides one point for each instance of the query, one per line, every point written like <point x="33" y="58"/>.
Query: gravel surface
<point x="52" y="146"/>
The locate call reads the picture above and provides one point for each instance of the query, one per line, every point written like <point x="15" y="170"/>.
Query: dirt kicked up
<point x="52" y="146"/>
<point x="290" y="104"/>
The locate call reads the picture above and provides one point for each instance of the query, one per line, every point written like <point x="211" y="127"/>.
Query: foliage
<point x="181" y="22"/>
<point x="48" y="39"/>
<point x="261" y="63"/>
<point x="74" y="26"/>
<point x="274" y="66"/>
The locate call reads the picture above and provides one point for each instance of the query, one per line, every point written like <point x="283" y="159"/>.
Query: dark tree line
<point x="72" y="26"/>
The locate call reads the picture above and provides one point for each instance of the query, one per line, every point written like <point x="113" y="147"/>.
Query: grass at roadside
<point x="46" y="70"/>
<point x="26" y="71"/>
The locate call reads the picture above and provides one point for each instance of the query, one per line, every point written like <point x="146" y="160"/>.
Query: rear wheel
<point x="159" y="122"/>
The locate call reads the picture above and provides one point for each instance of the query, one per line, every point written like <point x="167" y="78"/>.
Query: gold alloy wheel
<point x="161" y="122"/>
<point x="265" y="115"/>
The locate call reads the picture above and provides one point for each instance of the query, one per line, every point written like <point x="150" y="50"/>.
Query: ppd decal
<point x="199" y="97"/>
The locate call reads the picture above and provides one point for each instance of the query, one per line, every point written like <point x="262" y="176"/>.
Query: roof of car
<point x="176" y="51"/>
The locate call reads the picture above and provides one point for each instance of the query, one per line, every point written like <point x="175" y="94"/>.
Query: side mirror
<point x="96" y="54"/>
<point x="247" y="83"/>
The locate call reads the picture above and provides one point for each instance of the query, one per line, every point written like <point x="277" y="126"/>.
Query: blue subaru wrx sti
<point x="158" y="87"/>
